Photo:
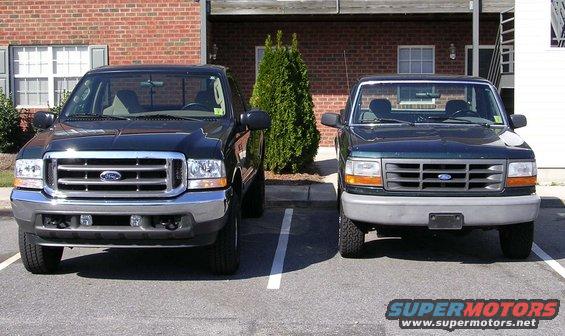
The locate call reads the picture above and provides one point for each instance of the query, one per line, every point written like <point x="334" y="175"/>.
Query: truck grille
<point x="128" y="174"/>
<point x="458" y="175"/>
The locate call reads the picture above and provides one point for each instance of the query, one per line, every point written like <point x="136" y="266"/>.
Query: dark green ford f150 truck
<point x="432" y="152"/>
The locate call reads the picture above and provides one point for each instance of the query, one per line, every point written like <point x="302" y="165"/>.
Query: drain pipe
<point x="337" y="7"/>
<point x="203" y="32"/>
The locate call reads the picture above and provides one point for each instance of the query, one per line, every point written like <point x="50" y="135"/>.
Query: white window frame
<point x="51" y="76"/>
<point x="431" y="46"/>
<point x="257" y="48"/>
<point x="469" y="47"/>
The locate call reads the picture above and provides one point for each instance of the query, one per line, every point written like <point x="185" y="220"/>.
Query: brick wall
<point x="148" y="31"/>
<point x="371" y="48"/>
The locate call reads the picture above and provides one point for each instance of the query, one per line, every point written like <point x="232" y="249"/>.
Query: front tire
<point x="224" y="253"/>
<point x="254" y="201"/>
<point x="39" y="259"/>
<point x="516" y="240"/>
<point x="351" y="238"/>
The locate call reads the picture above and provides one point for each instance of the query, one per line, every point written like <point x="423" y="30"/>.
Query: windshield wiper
<point x="84" y="116"/>
<point x="166" y="116"/>
<point x="459" y="119"/>
<point x="387" y="120"/>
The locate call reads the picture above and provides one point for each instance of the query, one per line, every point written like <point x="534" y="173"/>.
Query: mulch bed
<point x="309" y="176"/>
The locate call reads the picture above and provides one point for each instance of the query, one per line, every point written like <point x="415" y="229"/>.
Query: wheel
<point x="516" y="240"/>
<point x="351" y="238"/>
<point x="254" y="201"/>
<point x="39" y="259"/>
<point x="224" y="253"/>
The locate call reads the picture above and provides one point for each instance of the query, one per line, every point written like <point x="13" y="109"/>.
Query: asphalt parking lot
<point x="169" y="291"/>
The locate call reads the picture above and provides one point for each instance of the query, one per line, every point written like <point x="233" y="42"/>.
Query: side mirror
<point x="518" y="120"/>
<point x="256" y="120"/>
<point x="43" y="120"/>
<point x="331" y="120"/>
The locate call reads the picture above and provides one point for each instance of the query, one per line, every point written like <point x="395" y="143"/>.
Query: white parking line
<point x="9" y="261"/>
<point x="548" y="260"/>
<point x="278" y="261"/>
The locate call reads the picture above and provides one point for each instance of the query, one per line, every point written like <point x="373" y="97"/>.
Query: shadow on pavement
<point x="259" y="242"/>
<point x="476" y="247"/>
<point x="552" y="202"/>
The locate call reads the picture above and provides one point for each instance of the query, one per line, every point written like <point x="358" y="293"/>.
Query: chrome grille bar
<point x="141" y="174"/>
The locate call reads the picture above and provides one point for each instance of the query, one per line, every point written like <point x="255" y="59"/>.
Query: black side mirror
<point x="256" y="120"/>
<point x="331" y="120"/>
<point x="518" y="120"/>
<point x="43" y="120"/>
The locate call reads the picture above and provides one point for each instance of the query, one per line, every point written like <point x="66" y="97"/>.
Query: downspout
<point x="476" y="12"/>
<point x="203" y="32"/>
<point x="337" y="7"/>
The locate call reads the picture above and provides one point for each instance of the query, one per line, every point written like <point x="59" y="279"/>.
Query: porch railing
<point x="502" y="62"/>
<point x="558" y="22"/>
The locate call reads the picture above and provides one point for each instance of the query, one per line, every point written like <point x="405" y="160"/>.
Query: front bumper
<point x="415" y="211"/>
<point x="202" y="215"/>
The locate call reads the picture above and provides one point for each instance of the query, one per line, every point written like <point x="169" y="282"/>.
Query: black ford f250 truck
<point x="142" y="156"/>
<point x="432" y="152"/>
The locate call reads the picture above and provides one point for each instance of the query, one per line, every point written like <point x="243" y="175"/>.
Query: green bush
<point x="57" y="109"/>
<point x="11" y="133"/>
<point x="283" y="90"/>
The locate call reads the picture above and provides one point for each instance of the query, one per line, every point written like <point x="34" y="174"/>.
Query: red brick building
<point x="46" y="45"/>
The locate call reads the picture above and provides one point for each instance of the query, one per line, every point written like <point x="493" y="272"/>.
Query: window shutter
<point x="4" y="71"/>
<point x="98" y="56"/>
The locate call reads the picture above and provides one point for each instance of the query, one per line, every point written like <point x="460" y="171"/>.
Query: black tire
<point x="516" y="240"/>
<point x="351" y="239"/>
<point x="224" y="253"/>
<point x="39" y="259"/>
<point x="254" y="201"/>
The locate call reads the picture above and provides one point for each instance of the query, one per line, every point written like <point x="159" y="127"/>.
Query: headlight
<point x="205" y="174"/>
<point x="29" y="174"/>
<point x="521" y="174"/>
<point x="363" y="173"/>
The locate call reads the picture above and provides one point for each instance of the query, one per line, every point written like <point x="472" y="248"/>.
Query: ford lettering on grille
<point x="110" y="175"/>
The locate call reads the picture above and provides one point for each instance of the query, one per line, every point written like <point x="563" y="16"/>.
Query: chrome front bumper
<point x="415" y="211"/>
<point x="204" y="213"/>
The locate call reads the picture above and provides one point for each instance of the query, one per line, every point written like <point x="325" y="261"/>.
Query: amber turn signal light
<point x="375" y="181"/>
<point x="522" y="181"/>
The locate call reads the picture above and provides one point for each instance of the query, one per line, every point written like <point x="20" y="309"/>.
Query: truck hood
<point x="438" y="141"/>
<point x="196" y="139"/>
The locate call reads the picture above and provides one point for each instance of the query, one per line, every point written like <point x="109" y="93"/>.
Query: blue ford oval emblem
<point x="110" y="175"/>
<point x="444" y="177"/>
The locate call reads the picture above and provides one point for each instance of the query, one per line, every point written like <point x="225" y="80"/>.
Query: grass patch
<point x="6" y="178"/>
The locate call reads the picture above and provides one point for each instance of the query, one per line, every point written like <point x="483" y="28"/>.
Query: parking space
<point x="169" y="291"/>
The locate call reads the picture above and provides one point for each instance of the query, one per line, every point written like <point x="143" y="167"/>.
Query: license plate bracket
<point x="446" y="221"/>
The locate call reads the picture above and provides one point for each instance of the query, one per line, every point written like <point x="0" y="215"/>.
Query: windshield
<point x="147" y="95"/>
<point x="429" y="102"/>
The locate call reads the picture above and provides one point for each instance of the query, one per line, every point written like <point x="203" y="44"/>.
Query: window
<point x="557" y="30"/>
<point x="415" y="60"/>
<point x="455" y="103"/>
<point x="42" y="74"/>
<point x="151" y="94"/>
<point x="259" y="54"/>
<point x="237" y="101"/>
<point x="485" y="57"/>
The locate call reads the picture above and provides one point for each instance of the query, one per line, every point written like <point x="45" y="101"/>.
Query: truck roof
<point x="159" y="67"/>
<point x="423" y="77"/>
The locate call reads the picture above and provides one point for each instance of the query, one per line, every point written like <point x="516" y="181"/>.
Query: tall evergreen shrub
<point x="283" y="90"/>
<point x="11" y="133"/>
